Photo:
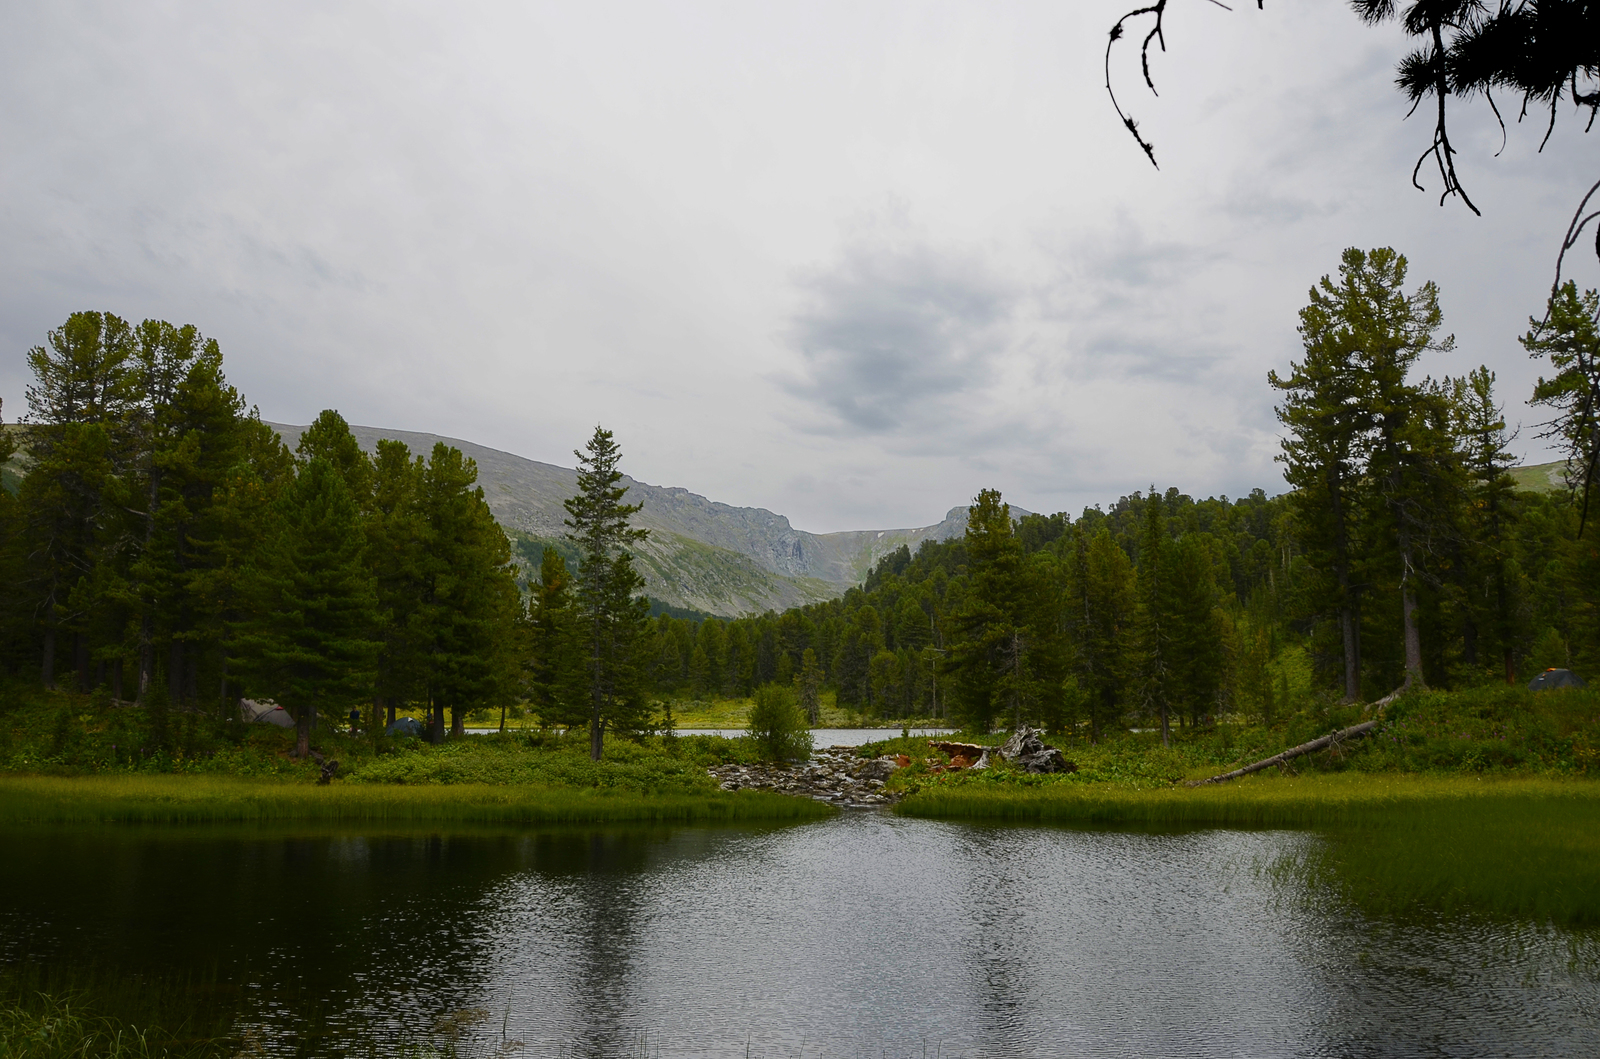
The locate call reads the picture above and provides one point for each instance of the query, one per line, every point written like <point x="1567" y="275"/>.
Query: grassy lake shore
<point x="143" y="799"/>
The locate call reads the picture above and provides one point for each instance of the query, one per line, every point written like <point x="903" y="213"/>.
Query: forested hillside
<point x="1406" y="554"/>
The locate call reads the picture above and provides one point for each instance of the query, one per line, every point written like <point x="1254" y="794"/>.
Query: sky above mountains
<point x="851" y="262"/>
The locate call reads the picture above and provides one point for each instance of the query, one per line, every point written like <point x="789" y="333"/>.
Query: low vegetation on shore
<point x="80" y="758"/>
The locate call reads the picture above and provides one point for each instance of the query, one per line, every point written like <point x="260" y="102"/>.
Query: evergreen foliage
<point x="313" y="605"/>
<point x="610" y="608"/>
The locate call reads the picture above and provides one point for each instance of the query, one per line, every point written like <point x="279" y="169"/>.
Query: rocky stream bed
<point x="836" y="775"/>
<point x="840" y="776"/>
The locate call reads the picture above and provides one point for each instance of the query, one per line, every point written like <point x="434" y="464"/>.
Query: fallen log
<point x="970" y="751"/>
<point x="1355" y="731"/>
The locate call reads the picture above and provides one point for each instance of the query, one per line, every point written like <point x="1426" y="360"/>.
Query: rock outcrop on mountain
<point x="701" y="554"/>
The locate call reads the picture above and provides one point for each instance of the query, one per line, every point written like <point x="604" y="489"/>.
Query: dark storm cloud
<point x="891" y="332"/>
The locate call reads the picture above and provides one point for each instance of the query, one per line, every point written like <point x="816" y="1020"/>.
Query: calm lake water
<point x="862" y="935"/>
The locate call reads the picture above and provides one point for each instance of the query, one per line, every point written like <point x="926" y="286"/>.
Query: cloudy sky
<point x="848" y="261"/>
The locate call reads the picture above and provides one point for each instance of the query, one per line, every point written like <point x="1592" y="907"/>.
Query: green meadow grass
<point x="1525" y="857"/>
<point x="1310" y="801"/>
<point x="166" y="799"/>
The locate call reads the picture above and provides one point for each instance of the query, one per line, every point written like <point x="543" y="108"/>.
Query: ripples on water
<point x="861" y="935"/>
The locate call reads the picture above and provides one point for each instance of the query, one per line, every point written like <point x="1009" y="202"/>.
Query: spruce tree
<point x="1493" y="581"/>
<point x="193" y="438"/>
<point x="1570" y="337"/>
<point x="329" y="436"/>
<point x="609" y="602"/>
<point x="1324" y="412"/>
<point x="1412" y="451"/>
<point x="81" y="407"/>
<point x="556" y="671"/>
<point x="1154" y="630"/>
<point x="1198" y="656"/>
<point x="808" y="686"/>
<point x="397" y="536"/>
<point x="469" y="593"/>
<point x="1002" y="657"/>
<point x="1104" y="606"/>
<point x="307" y="643"/>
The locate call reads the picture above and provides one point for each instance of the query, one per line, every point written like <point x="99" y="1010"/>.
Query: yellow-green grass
<point x="165" y="799"/>
<point x="1313" y="800"/>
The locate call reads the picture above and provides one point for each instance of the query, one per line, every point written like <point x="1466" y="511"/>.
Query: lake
<point x="861" y="935"/>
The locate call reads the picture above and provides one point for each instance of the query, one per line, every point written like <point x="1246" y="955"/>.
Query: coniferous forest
<point x="160" y="542"/>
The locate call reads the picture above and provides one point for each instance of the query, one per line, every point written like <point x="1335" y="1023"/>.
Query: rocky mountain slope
<point x="701" y="554"/>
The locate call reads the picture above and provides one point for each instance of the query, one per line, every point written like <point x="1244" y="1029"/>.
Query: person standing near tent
<point x="355" y="719"/>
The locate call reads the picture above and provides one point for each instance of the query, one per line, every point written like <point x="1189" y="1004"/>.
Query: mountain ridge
<point x="702" y="553"/>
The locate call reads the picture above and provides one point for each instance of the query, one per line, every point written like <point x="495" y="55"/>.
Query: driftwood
<point x="1355" y="731"/>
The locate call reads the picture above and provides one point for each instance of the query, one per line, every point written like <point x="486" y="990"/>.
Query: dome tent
<point x="1551" y="679"/>
<point x="405" y="726"/>
<point x="264" y="711"/>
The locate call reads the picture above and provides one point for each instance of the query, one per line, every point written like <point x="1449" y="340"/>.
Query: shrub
<point x="778" y="724"/>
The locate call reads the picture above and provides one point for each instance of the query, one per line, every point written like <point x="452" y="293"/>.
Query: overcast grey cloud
<point x="510" y="221"/>
<point x="897" y="332"/>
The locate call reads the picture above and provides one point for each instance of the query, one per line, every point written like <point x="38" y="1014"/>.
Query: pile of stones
<point x="834" y="775"/>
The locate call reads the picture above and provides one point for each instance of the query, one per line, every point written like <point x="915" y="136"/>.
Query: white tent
<point x="265" y="711"/>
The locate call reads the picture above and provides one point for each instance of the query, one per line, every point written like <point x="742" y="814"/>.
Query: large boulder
<point x="879" y="768"/>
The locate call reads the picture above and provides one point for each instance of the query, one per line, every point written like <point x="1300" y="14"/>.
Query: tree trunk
<point x="222" y="687"/>
<point x="1166" y="730"/>
<point x="147" y="650"/>
<point x="1408" y="604"/>
<point x="116" y="679"/>
<point x="435" y="722"/>
<point x="47" y="665"/>
<point x="1349" y="627"/>
<point x="80" y="657"/>
<point x="147" y="655"/>
<point x="47" y="669"/>
<point x="390" y="721"/>
<point x="302" y="732"/>
<point x="175" y="683"/>
<point x="458" y="718"/>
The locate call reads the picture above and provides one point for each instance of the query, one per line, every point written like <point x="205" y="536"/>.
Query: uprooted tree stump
<point x="1024" y="749"/>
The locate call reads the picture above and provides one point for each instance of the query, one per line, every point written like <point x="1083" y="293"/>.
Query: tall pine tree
<point x="612" y="611"/>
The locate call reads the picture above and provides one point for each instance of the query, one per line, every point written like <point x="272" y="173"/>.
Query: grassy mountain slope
<point x="1541" y="477"/>
<point x="701" y="554"/>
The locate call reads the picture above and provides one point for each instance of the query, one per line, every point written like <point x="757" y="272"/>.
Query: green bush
<point x="778" y="724"/>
